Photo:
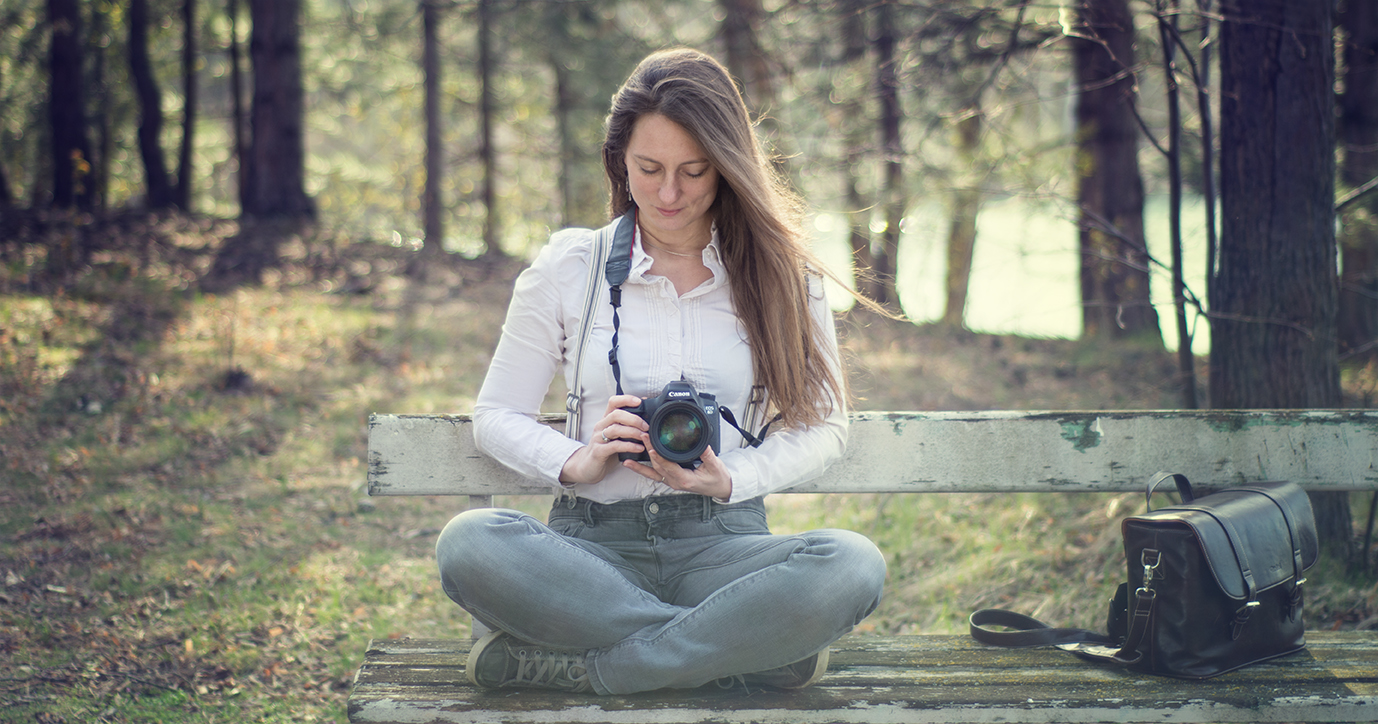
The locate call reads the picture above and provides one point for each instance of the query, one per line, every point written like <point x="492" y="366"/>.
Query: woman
<point x="652" y="573"/>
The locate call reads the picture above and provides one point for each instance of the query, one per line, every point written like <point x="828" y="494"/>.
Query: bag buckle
<point x="1294" y="602"/>
<point x="1241" y="618"/>
<point x="1149" y="558"/>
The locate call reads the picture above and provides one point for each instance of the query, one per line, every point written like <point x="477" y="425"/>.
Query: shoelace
<point x="542" y="669"/>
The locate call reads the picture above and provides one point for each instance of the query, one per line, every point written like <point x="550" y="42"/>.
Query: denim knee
<point x="858" y="566"/>
<point x="466" y="544"/>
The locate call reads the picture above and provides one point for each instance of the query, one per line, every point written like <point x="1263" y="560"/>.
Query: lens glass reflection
<point x="680" y="431"/>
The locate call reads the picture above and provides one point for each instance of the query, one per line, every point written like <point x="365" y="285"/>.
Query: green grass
<point x="175" y="549"/>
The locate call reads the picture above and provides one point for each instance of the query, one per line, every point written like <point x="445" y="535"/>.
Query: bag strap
<point x="1029" y="632"/>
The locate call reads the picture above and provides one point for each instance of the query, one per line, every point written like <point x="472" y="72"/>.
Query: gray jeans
<point x="669" y="591"/>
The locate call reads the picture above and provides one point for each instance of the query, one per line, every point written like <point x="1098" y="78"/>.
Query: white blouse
<point x="664" y="337"/>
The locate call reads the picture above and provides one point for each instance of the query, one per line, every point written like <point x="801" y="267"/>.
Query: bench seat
<point x="898" y="679"/>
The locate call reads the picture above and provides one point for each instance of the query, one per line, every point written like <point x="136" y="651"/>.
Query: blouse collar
<point x="712" y="258"/>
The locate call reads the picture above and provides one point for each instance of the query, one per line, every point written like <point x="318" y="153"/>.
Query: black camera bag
<point x="1214" y="584"/>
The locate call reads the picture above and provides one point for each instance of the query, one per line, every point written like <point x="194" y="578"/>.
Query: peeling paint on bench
<point x="999" y="451"/>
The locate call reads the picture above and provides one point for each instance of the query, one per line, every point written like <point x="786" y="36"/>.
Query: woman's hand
<point x="710" y="478"/>
<point x="619" y="431"/>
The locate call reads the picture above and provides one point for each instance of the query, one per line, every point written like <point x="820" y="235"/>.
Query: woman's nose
<point x="669" y="190"/>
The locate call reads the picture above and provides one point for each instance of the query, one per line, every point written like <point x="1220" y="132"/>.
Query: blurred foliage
<point x="365" y="130"/>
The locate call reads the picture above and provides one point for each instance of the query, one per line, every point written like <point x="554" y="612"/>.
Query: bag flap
<point x="1248" y="524"/>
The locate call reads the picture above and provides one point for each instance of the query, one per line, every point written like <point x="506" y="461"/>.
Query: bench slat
<point x="902" y="679"/>
<point x="991" y="451"/>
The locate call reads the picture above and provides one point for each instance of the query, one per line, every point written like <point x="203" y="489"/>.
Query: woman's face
<point x="671" y="180"/>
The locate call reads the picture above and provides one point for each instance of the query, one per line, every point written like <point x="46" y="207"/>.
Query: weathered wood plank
<point x="902" y="679"/>
<point x="999" y="451"/>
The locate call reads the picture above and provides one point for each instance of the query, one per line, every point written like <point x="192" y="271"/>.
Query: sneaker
<point x="501" y="660"/>
<point x="800" y="674"/>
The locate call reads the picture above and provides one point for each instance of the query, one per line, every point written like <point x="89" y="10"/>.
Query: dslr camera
<point x="683" y="423"/>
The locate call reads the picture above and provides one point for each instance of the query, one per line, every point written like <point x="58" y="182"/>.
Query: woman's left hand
<point x="710" y="478"/>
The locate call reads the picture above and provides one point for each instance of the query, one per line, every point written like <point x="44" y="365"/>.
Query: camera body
<point x="683" y="423"/>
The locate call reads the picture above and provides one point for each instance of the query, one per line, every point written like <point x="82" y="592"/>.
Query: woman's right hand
<point x="619" y="431"/>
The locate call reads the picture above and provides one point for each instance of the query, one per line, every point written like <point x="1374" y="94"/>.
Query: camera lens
<point x="680" y="431"/>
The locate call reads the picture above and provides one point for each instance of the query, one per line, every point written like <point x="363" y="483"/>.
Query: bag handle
<point x="1183" y="487"/>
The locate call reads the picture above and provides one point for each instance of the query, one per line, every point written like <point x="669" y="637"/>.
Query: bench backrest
<point x="992" y="451"/>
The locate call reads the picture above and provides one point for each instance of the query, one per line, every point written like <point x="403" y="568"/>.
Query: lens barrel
<point x="677" y="431"/>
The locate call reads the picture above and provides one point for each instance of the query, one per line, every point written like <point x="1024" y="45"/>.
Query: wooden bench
<point x="933" y="678"/>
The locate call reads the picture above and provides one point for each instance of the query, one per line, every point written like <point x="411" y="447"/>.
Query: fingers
<point x="617" y="402"/>
<point x="711" y="477"/>
<point x="624" y="431"/>
<point x="620" y="424"/>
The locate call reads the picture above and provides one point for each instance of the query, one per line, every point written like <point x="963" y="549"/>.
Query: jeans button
<point x="654" y="508"/>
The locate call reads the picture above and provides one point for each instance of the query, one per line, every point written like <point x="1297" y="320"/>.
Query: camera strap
<point x="751" y="440"/>
<point x="615" y="270"/>
<point x="618" y="266"/>
<point x="598" y="268"/>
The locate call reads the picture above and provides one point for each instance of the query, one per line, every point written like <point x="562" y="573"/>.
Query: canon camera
<point x="683" y="423"/>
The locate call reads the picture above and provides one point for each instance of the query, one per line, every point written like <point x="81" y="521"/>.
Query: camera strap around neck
<point x="615" y="271"/>
<point x="611" y="235"/>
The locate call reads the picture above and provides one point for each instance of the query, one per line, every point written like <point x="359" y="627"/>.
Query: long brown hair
<point x="758" y="217"/>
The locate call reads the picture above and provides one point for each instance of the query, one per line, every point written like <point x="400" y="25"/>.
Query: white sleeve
<point x="530" y="352"/>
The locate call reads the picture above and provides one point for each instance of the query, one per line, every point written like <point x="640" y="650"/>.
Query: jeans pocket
<point x="567" y="525"/>
<point x="742" y="521"/>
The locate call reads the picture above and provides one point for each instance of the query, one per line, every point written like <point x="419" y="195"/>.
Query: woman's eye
<point x="648" y="171"/>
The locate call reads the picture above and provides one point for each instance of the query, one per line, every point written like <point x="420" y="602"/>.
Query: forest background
<point x="230" y="230"/>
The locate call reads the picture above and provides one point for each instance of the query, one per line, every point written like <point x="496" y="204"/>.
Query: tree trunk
<point x="847" y="122"/>
<point x="1205" y="114"/>
<point x="6" y="196"/>
<point x="1186" y="361"/>
<point x="277" y="182"/>
<point x="273" y="205"/>
<point x="1110" y="193"/>
<point x="746" y="58"/>
<point x="431" y="204"/>
<point x="966" y="205"/>
<point x="189" y="94"/>
<point x="71" y="153"/>
<point x="156" y="184"/>
<point x="237" y="107"/>
<point x="887" y="93"/>
<point x="1275" y="296"/>
<point x="1358" y="129"/>
<point x="487" y="153"/>
<point x="100" y="101"/>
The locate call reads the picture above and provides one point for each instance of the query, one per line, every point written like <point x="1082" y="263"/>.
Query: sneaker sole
<point x="820" y="667"/>
<point x="474" y="652"/>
